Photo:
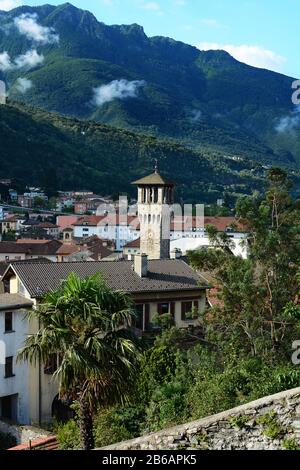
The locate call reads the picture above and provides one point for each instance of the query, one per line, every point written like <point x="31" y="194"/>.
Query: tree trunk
<point x="86" y="425"/>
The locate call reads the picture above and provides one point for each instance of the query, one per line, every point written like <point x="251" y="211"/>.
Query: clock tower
<point x="155" y="195"/>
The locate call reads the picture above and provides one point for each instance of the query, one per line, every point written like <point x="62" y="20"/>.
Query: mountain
<point x="37" y="146"/>
<point x="117" y="75"/>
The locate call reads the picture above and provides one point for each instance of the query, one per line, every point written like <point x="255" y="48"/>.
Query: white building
<point x="110" y="227"/>
<point x="192" y="234"/>
<point x="14" y="376"/>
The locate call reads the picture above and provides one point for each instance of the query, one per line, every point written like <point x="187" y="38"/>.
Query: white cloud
<point x="29" y="60"/>
<point x="210" y="23"/>
<point x="117" y="89"/>
<point x="256" y="56"/>
<point x="23" y="85"/>
<point x="27" y="24"/>
<point x="154" y="6"/>
<point x="6" y="5"/>
<point x="5" y="62"/>
<point x="289" y="123"/>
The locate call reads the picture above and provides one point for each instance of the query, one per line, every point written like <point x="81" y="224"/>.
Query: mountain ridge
<point x="206" y="100"/>
<point x="82" y="154"/>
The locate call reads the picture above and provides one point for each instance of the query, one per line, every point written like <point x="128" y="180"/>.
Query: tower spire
<point x="155" y="165"/>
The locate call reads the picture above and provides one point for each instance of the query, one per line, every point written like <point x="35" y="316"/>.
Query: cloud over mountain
<point x="28" y="25"/>
<point x="252" y="55"/>
<point x="29" y="60"/>
<point x="23" y="85"/>
<point x="117" y="89"/>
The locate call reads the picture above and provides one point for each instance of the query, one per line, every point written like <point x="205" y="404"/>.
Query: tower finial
<point x="155" y="165"/>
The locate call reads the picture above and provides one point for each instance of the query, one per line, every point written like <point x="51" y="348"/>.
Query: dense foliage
<point x="205" y="99"/>
<point x="61" y="153"/>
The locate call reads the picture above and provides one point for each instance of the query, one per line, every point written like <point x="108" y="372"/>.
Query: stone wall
<point x="271" y="423"/>
<point x="23" y="434"/>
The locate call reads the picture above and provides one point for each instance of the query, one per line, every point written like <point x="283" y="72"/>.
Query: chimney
<point x="141" y="264"/>
<point x="176" y="253"/>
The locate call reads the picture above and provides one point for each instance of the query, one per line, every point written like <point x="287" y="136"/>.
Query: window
<point x="8" y="322"/>
<point x="139" y="321"/>
<point x="9" y="367"/>
<point x="163" y="308"/>
<point x="186" y="307"/>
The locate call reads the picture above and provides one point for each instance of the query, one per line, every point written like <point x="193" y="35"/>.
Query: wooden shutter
<point x="147" y="317"/>
<point x="159" y="309"/>
<point x="196" y="304"/>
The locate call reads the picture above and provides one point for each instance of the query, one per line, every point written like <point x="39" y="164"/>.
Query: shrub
<point x="68" y="435"/>
<point x="7" y="441"/>
<point x="108" y="428"/>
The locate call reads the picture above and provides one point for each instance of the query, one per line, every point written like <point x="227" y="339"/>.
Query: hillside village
<point x="131" y="255"/>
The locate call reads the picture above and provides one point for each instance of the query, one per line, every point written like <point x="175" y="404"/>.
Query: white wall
<point x="120" y="234"/>
<point x="19" y="383"/>
<point x="186" y="244"/>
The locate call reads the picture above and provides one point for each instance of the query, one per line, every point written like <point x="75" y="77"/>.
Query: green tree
<point x="254" y="293"/>
<point x="88" y="326"/>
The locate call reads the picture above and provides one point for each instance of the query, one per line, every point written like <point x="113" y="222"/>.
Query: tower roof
<point x="153" y="179"/>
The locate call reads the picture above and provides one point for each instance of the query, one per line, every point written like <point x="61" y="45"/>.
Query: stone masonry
<point x="270" y="423"/>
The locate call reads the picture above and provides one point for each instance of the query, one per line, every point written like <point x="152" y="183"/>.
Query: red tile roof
<point x="133" y="244"/>
<point x="64" y="221"/>
<point x="221" y="223"/>
<point x="109" y="219"/>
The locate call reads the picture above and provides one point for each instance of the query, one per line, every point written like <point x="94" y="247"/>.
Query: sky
<point x="263" y="33"/>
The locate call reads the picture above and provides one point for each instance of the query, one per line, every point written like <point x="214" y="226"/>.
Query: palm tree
<point x="87" y="325"/>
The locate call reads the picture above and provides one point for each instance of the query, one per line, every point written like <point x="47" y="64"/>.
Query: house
<point x="157" y="287"/>
<point x="12" y="223"/>
<point x="29" y="249"/>
<point x="132" y="248"/>
<point x="111" y="226"/>
<point x="52" y="230"/>
<point x="66" y="221"/>
<point x="16" y="404"/>
<point x="190" y="234"/>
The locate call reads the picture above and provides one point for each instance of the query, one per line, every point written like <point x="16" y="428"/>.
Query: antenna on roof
<point x="155" y="165"/>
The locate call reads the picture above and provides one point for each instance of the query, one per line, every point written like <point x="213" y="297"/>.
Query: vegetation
<point x="59" y="153"/>
<point x="7" y="441"/>
<point x="205" y="99"/>
<point x="87" y="326"/>
<point x="212" y="143"/>
<point x="246" y="351"/>
<point x="271" y="426"/>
